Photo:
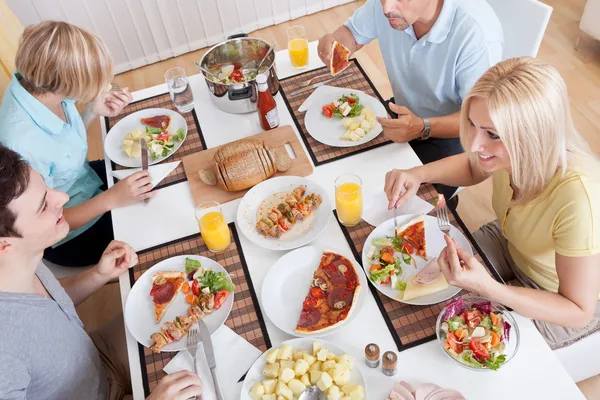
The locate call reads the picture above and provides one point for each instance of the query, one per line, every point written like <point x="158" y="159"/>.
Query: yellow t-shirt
<point x="564" y="219"/>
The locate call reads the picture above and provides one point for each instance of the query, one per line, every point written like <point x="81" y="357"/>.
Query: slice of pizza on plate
<point x="427" y="281"/>
<point x="339" y="58"/>
<point x="414" y="234"/>
<point x="165" y="286"/>
<point x="332" y="296"/>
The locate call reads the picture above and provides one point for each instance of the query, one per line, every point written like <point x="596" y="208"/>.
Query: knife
<point x="316" y="85"/>
<point x="210" y="356"/>
<point x="144" y="159"/>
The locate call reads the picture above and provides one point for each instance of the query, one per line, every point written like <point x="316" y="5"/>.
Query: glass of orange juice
<point x="298" y="46"/>
<point x="348" y="199"/>
<point x="213" y="228"/>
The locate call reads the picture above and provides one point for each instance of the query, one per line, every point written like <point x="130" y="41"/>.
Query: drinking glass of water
<point x="179" y="89"/>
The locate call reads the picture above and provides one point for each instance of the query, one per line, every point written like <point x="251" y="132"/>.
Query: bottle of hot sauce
<point x="267" y="108"/>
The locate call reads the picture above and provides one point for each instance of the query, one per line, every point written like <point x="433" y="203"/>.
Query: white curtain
<point x="140" y="32"/>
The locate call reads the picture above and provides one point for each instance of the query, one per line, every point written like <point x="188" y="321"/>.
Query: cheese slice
<point x="414" y="290"/>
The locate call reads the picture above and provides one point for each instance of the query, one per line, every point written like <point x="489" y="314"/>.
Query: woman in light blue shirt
<point x="57" y="65"/>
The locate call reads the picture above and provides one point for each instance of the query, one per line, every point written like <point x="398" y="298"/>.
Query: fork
<point x="309" y="81"/>
<point x="441" y="212"/>
<point x="395" y="222"/>
<point x="192" y="344"/>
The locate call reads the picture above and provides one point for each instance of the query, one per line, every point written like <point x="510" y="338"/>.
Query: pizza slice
<point x="165" y="286"/>
<point x="339" y="58"/>
<point x="158" y="121"/>
<point x="414" y="234"/>
<point x="332" y="296"/>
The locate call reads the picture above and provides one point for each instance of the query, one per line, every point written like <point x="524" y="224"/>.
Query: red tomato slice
<point x="220" y="298"/>
<point x="195" y="288"/>
<point x="327" y="111"/>
<point x="163" y="136"/>
<point x="350" y="100"/>
<point x="473" y="318"/>
<point x="386" y="281"/>
<point x="236" y="75"/>
<point x="317" y="293"/>
<point x="453" y="342"/>
<point x="479" y="349"/>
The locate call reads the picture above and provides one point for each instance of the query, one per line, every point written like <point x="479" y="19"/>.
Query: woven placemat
<point x="194" y="142"/>
<point x="319" y="152"/>
<point x="411" y="325"/>
<point x="245" y="318"/>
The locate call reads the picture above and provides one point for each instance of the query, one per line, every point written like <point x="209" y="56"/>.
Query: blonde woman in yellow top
<point x="516" y="127"/>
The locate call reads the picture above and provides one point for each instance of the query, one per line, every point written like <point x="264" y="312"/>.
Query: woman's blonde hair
<point x="61" y="58"/>
<point x="528" y="103"/>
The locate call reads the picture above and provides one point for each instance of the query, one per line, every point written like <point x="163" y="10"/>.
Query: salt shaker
<point x="372" y="355"/>
<point x="389" y="362"/>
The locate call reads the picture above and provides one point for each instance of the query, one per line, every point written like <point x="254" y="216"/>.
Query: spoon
<point x="311" y="393"/>
<point x="207" y="71"/>
<point x="265" y="57"/>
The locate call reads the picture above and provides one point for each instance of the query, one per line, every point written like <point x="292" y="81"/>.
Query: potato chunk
<point x="257" y="391"/>
<point x="301" y="367"/>
<point x="284" y="391"/>
<point x="269" y="385"/>
<point x="285" y="353"/>
<point x="271" y="370"/>
<point x="272" y="356"/>
<point x="333" y="393"/>
<point x="322" y="355"/>
<point x="286" y="375"/>
<point x="296" y="387"/>
<point x="324" y="381"/>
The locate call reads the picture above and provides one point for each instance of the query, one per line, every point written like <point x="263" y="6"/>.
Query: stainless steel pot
<point x="239" y="98"/>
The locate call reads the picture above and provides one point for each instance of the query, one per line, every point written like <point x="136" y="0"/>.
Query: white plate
<point x="139" y="309"/>
<point x="287" y="283"/>
<point x="329" y="131"/>
<point x="301" y="233"/>
<point x="255" y="374"/>
<point x="435" y="244"/>
<point x="113" y="144"/>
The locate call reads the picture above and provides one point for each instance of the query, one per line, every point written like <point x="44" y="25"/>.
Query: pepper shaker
<point x="372" y="355"/>
<point x="389" y="362"/>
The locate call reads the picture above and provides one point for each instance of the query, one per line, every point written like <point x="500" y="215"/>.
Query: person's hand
<point x="325" y="44"/>
<point x="134" y="188"/>
<point x="462" y="269"/>
<point x="400" y="186"/>
<point x="111" y="103"/>
<point x="181" y="385"/>
<point x="405" y="128"/>
<point x="116" y="259"/>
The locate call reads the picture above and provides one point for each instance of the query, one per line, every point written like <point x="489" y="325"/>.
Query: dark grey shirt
<point x="44" y="351"/>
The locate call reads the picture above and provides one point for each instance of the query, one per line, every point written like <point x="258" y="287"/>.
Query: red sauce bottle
<point x="267" y="108"/>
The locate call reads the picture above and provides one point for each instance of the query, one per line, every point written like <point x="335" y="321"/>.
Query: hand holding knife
<point x="210" y="356"/>
<point x="144" y="159"/>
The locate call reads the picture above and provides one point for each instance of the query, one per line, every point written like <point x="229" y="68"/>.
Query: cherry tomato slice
<point x="453" y="342"/>
<point x="479" y="349"/>
<point x="220" y="298"/>
<point x="236" y="75"/>
<point x="327" y="112"/>
<point x="195" y="288"/>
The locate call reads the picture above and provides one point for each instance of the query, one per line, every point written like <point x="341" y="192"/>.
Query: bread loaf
<point x="240" y="146"/>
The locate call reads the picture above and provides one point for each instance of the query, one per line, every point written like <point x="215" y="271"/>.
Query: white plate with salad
<point x="478" y="333"/>
<point x="390" y="277"/>
<point x="139" y="309"/>
<point x="344" y="117"/>
<point x="122" y="144"/>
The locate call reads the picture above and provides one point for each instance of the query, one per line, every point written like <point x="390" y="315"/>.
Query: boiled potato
<point x="297" y="355"/>
<point x="281" y="398"/>
<point x="373" y="124"/>
<point x="358" y="393"/>
<point x="257" y="391"/>
<point x="285" y="353"/>
<point x="327" y="365"/>
<point x="305" y="379"/>
<point x="331" y="356"/>
<point x="348" y="388"/>
<point x="309" y="359"/>
<point x="286" y="375"/>
<point x="354" y="137"/>
<point x="368" y="113"/>
<point x="271" y="370"/>
<point x="296" y="387"/>
<point x="353" y="126"/>
<point x="271" y="397"/>
<point x="315" y="376"/>
<point x="317" y="365"/>
<point x="286" y="364"/>
<point x="269" y="385"/>
<point x="324" y="381"/>
<point x="272" y="356"/>
<point x="343" y="398"/>
<point x="316" y="347"/>
<point x="284" y="391"/>
<point x="334" y="393"/>
<point x="322" y="355"/>
<point x="301" y="367"/>
<point x="360" y="132"/>
<point x="365" y="125"/>
<point x="346" y="361"/>
<point x="341" y="375"/>
<point x="347" y="121"/>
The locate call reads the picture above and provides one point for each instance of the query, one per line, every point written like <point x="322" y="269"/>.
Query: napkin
<point x="158" y="172"/>
<point x="315" y="95"/>
<point x="234" y="357"/>
<point x="375" y="207"/>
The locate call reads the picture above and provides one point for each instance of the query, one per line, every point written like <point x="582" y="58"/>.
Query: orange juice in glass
<point x="298" y="46"/>
<point x="213" y="227"/>
<point x="348" y="199"/>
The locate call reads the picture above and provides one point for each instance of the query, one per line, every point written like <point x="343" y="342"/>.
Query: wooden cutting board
<point x="203" y="160"/>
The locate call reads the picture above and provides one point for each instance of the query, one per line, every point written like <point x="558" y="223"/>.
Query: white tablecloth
<point x="534" y="373"/>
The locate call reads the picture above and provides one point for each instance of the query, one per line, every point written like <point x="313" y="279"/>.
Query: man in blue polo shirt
<point x="434" y="52"/>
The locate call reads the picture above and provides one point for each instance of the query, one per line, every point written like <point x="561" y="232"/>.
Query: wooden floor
<point x="581" y="70"/>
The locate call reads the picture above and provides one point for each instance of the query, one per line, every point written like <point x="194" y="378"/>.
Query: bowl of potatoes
<point x="284" y="372"/>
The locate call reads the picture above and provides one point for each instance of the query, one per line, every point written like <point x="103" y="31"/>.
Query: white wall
<point x="140" y="32"/>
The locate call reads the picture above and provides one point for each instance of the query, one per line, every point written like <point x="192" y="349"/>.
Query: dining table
<point x="535" y="371"/>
